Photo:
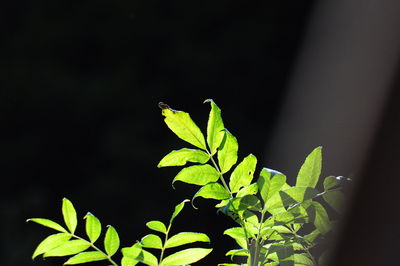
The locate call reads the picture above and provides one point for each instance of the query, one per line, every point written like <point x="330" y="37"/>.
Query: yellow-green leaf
<point x="48" y="223"/>
<point x="215" y="126"/>
<point x="182" y="156"/>
<point x="157" y="226"/>
<point x="190" y="255"/>
<point x="243" y="173"/>
<point x="213" y="191"/>
<point x="68" y="248"/>
<point x="111" y="241"/>
<point x="197" y="175"/>
<point x="227" y="154"/>
<point x="93" y="227"/>
<point x="186" y="238"/>
<point x="85" y="257"/>
<point x="51" y="242"/>
<point x="308" y="175"/>
<point x="151" y="241"/>
<point x="69" y="215"/>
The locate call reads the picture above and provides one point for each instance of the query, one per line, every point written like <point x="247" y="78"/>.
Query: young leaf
<point x="227" y="154"/>
<point x="243" y="173"/>
<point x="238" y="234"/>
<point x="69" y="215"/>
<point x="186" y="238"/>
<point x="48" y="223"/>
<point x="178" y="209"/>
<point x="182" y="156"/>
<point x="51" y="242"/>
<point x="93" y="227"/>
<point x="157" y="226"/>
<point x="85" y="257"/>
<point x="190" y="255"/>
<point x="183" y="126"/>
<point x="111" y="241"/>
<point x="248" y="190"/>
<point x="237" y="252"/>
<point x="311" y="169"/>
<point x="151" y="241"/>
<point x="138" y="254"/>
<point x="335" y="199"/>
<point x="68" y="248"/>
<point x="321" y="221"/>
<point x="215" y="126"/>
<point x="197" y="175"/>
<point x="269" y="186"/>
<point x="213" y="191"/>
<point x="128" y="262"/>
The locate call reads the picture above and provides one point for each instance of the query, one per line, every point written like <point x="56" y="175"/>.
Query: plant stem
<point x="163" y="247"/>
<point x="221" y="177"/>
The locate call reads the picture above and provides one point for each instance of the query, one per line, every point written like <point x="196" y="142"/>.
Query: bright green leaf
<point x="93" y="227"/>
<point x="243" y="173"/>
<point x="71" y="247"/>
<point x="238" y="234"/>
<point x="311" y="169"/>
<point x="157" y="226"/>
<point x="213" y="191"/>
<point x="215" y="126"/>
<point x="178" y="209"/>
<point x="111" y="241"/>
<point x="51" y="242"/>
<point x="197" y="175"/>
<point x="85" y="257"/>
<point x="138" y="254"/>
<point x="302" y="260"/>
<point x="48" y="223"/>
<point x="151" y="241"/>
<point x="248" y="190"/>
<point x="330" y="182"/>
<point x="269" y="186"/>
<point x="125" y="261"/>
<point x="186" y="256"/>
<point x="335" y="199"/>
<point x="321" y="221"/>
<point x="182" y="156"/>
<point x="237" y="252"/>
<point x="186" y="238"/>
<point x="69" y="215"/>
<point x="227" y="154"/>
<point x="290" y="196"/>
<point x="183" y="126"/>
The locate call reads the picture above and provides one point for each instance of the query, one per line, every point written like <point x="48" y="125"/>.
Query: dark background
<point x="80" y="84"/>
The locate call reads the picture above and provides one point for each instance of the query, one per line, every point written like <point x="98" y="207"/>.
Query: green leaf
<point x="178" y="209"/>
<point x="51" y="242"/>
<point x="248" y="190"/>
<point x="243" y="173"/>
<point x="302" y="260"/>
<point x="238" y="234"/>
<point x="330" y="182"/>
<point x="48" y="223"/>
<point x="85" y="257"/>
<point x="290" y="196"/>
<point x="269" y="186"/>
<point x="311" y="169"/>
<point x="128" y="262"/>
<point x="335" y="199"/>
<point x="215" y="126"/>
<point x="157" y="226"/>
<point x="111" y="241"/>
<point x="190" y="255"/>
<point x="68" y="248"/>
<point x="151" y="241"/>
<point x="183" y="126"/>
<point x="69" y="215"/>
<point x="93" y="227"/>
<point x="137" y="253"/>
<point x="213" y="191"/>
<point x="237" y="252"/>
<point x="284" y="254"/>
<point x="197" y="175"/>
<point x="321" y="221"/>
<point x="182" y="156"/>
<point x="227" y="154"/>
<point x="186" y="238"/>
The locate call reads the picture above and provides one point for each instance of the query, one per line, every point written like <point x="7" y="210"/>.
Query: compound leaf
<point x="68" y="248"/>
<point x="311" y="169"/>
<point x="186" y="238"/>
<point x="186" y="256"/>
<point x="111" y="241"/>
<point x="157" y="226"/>
<point x="197" y="175"/>
<point x="85" y="257"/>
<point x="243" y="173"/>
<point x="182" y="156"/>
<point x="93" y="227"/>
<point x="51" y="242"/>
<point x="227" y="154"/>
<point x="69" y="215"/>
<point x="215" y="126"/>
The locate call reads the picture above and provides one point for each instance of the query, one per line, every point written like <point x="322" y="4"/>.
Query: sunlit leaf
<point x="93" y="227"/>
<point x="227" y="154"/>
<point x="290" y="196"/>
<point x="178" y="209"/>
<point x="48" y="223"/>
<point x="197" y="175"/>
<point x="186" y="256"/>
<point x="125" y="261"/>
<point x="215" y="126"/>
<point x="268" y="185"/>
<point x="243" y="173"/>
<point x="213" y="191"/>
<point x="183" y="126"/>
<point x="71" y="247"/>
<point x="138" y="254"/>
<point x="330" y="182"/>
<point x="51" y="242"/>
<point x="151" y="241"/>
<point x="85" y="257"/>
<point x="248" y="190"/>
<point x="157" y="226"/>
<point x="237" y="252"/>
<point x="69" y="215"/>
<point x="282" y="253"/>
<point x="111" y="241"/>
<point x="182" y="156"/>
<point x="321" y="221"/>
<point x="311" y="169"/>
<point x="238" y="234"/>
<point x="186" y="238"/>
<point x="335" y="199"/>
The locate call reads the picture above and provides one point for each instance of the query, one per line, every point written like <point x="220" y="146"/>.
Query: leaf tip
<point x="208" y="101"/>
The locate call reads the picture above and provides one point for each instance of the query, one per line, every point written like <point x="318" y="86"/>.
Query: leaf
<point x="51" y="242"/>
<point x="69" y="215"/>
<point x="85" y="257"/>
<point x="290" y="196"/>
<point x="68" y="248"/>
<point x="248" y="190"/>
<point x="48" y="223"/>
<point x="330" y="182"/>
<point x="197" y="175"/>
<point x="321" y="221"/>
<point x="178" y="209"/>
<point x="302" y="260"/>
<point x="182" y="156"/>
<point x="243" y="173"/>
<point x="269" y="186"/>
<point x="128" y="262"/>
<point x="215" y="126"/>
<point x="93" y="227"/>
<point x="311" y="169"/>
<point x="151" y="241"/>
<point x="186" y="238"/>
<point x="111" y="241"/>
<point x="213" y="191"/>
<point x="335" y="199"/>
<point x="137" y="253"/>
<point x="157" y="226"/>
<point x="186" y="256"/>
<point x="237" y="252"/>
<point x="227" y="154"/>
<point x="238" y="234"/>
<point x="284" y="254"/>
<point x="183" y="126"/>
